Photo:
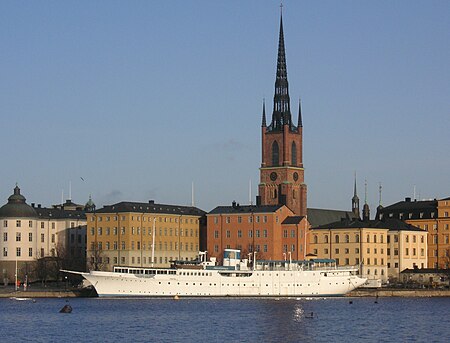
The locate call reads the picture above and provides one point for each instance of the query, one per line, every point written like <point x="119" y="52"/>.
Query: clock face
<point x="273" y="176"/>
<point x="295" y="176"/>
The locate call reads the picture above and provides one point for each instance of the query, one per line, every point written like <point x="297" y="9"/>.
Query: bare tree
<point x="96" y="258"/>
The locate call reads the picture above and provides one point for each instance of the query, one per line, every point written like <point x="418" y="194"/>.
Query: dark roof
<point x="236" y="208"/>
<point x="293" y="220"/>
<point x="56" y="213"/>
<point x="17" y="207"/>
<point x="150" y="207"/>
<point x="410" y="209"/>
<point x="446" y="198"/>
<point x="318" y="216"/>
<point x="390" y="224"/>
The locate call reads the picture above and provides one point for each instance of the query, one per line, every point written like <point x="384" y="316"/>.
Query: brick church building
<point x="275" y="227"/>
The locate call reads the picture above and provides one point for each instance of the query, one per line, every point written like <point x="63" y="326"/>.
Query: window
<point x="250" y="233"/>
<point x="395" y="239"/>
<point x="407" y="239"/>
<point x="325" y="238"/>
<point x="315" y="239"/>
<point x="357" y="238"/>
<point x="30" y="237"/>
<point x="227" y="220"/>
<point x="30" y="252"/>
<point x="265" y="233"/>
<point x="216" y="220"/>
<point x="5" y="251"/>
<point x="228" y="233"/>
<point x="42" y="238"/>
<point x="336" y="239"/>
<point x="239" y="219"/>
<point x="292" y="233"/>
<point x="18" y="237"/>
<point x="294" y="154"/>
<point x="347" y="239"/>
<point x="18" y="252"/>
<point x="18" y="223"/>
<point x="257" y="234"/>
<point x="368" y="239"/>
<point x="5" y="223"/>
<point x="53" y="238"/>
<point x="30" y="223"/>
<point x="239" y="233"/>
<point x="42" y="225"/>
<point x="275" y="154"/>
<point x="285" y="234"/>
<point x="336" y="250"/>
<point x="374" y="238"/>
<point x="5" y="236"/>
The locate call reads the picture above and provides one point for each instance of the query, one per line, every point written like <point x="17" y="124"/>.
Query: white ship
<point x="234" y="278"/>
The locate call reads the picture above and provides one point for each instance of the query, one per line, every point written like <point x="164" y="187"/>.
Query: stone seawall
<point x="399" y="292"/>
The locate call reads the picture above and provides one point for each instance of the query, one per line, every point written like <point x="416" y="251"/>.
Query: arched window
<point x="368" y="239"/>
<point x="315" y="239"/>
<point x="336" y="239"/>
<point x="326" y="238"/>
<point x="357" y="238"/>
<point x="275" y="154"/>
<point x="374" y="238"/>
<point x="294" y="154"/>
<point x="347" y="239"/>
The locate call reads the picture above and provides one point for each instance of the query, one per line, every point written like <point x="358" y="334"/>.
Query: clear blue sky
<point x="141" y="98"/>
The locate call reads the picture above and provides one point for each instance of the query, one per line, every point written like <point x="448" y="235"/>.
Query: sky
<point x="137" y="100"/>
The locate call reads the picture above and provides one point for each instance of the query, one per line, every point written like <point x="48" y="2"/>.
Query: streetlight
<point x="290" y="259"/>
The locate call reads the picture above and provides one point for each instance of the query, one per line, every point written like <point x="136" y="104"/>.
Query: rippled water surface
<point x="230" y="320"/>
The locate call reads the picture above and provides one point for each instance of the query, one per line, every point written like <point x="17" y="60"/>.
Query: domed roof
<point x="17" y="207"/>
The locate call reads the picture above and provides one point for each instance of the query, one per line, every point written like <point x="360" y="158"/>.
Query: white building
<point x="30" y="233"/>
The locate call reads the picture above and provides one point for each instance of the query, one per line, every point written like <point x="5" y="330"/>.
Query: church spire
<point x="355" y="201"/>
<point x="264" y="114"/>
<point x="300" y="121"/>
<point x="281" y="102"/>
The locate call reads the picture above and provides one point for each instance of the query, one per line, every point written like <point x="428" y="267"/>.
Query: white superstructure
<point x="234" y="278"/>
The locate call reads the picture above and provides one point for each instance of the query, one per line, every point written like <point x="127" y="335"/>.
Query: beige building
<point x="131" y="233"/>
<point x="407" y="249"/>
<point x="32" y="234"/>
<point x="381" y="248"/>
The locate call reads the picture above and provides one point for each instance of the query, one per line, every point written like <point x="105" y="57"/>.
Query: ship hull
<point x="212" y="283"/>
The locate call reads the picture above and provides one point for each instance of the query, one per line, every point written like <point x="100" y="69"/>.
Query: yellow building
<point x="431" y="216"/>
<point x="382" y="248"/>
<point x="131" y="233"/>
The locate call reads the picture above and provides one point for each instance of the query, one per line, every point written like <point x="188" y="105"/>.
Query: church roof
<point x="319" y="216"/>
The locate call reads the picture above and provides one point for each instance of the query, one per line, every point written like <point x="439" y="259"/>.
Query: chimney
<point x="32" y="204"/>
<point x="151" y="202"/>
<point x="407" y="199"/>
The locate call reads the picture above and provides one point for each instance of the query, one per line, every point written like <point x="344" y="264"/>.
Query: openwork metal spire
<point x="281" y="101"/>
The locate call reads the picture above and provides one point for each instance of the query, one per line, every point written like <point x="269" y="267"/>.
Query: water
<point x="230" y="320"/>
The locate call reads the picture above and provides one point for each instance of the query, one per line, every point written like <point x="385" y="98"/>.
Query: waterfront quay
<point x="46" y="292"/>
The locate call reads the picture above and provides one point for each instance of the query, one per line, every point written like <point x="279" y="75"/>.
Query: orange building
<point x="274" y="232"/>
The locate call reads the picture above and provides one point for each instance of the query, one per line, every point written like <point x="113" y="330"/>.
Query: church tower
<point x="281" y="172"/>
<point x="355" y="201"/>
